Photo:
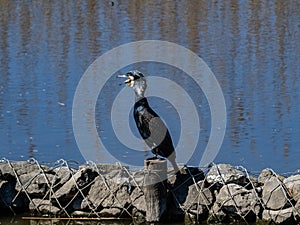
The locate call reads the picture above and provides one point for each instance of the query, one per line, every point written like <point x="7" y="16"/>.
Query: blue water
<point x="252" y="48"/>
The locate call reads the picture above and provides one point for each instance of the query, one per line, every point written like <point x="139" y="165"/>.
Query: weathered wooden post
<point x="155" y="188"/>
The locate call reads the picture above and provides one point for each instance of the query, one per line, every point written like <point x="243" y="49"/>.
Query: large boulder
<point x="292" y="185"/>
<point x="274" y="195"/>
<point x="106" y="193"/>
<point x="235" y="201"/>
<point x="79" y="183"/>
<point x="35" y="184"/>
<point x="98" y="193"/>
<point x="224" y="174"/>
<point x="138" y="200"/>
<point x="111" y="212"/>
<point x="199" y="199"/>
<point x="297" y="211"/>
<point x="266" y="174"/>
<point x="12" y="169"/>
<point x="284" y="216"/>
<point x="179" y="186"/>
<point x="43" y="207"/>
<point x="63" y="174"/>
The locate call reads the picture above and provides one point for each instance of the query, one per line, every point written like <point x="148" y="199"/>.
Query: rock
<point x="190" y="219"/>
<point x="292" y="185"/>
<point x="187" y="173"/>
<point x="20" y="168"/>
<point x="111" y="212"/>
<point x="274" y="195"/>
<point x="99" y="195"/>
<point x="81" y="180"/>
<point x="253" y="183"/>
<point x="138" y="178"/>
<point x="86" y="214"/>
<point x="297" y="211"/>
<point x="122" y="198"/>
<point x="77" y="203"/>
<point x="63" y="174"/>
<point x="180" y="187"/>
<point x="279" y="216"/>
<point x="198" y="201"/>
<point x="224" y="174"/>
<point x="265" y="175"/>
<point x="36" y="184"/>
<point x="138" y="217"/>
<point x="113" y="170"/>
<point x="138" y="199"/>
<point x="6" y="172"/>
<point x="236" y="202"/>
<point x="107" y="193"/>
<point x="43" y="207"/>
<point x="8" y="197"/>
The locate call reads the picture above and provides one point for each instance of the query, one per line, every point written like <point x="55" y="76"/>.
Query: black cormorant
<point x="152" y="129"/>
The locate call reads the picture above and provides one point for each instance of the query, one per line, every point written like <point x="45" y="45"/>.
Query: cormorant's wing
<point x="154" y="132"/>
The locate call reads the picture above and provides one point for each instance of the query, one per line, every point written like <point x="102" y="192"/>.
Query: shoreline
<point x="220" y="193"/>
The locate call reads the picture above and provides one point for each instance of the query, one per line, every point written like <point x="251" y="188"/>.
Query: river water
<point x="252" y="48"/>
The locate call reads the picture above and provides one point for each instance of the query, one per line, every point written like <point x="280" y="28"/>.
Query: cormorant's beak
<point x="122" y="76"/>
<point x="127" y="82"/>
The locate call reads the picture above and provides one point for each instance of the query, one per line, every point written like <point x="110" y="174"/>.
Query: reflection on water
<point x="21" y="221"/>
<point x="252" y="47"/>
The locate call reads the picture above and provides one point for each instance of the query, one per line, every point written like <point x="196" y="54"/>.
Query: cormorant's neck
<point x="139" y="88"/>
<point x="141" y="101"/>
<point x="138" y="97"/>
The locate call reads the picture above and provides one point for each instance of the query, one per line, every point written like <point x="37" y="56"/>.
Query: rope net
<point x="218" y="193"/>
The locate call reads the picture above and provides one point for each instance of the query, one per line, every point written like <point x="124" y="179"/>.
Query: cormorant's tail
<point x="171" y="158"/>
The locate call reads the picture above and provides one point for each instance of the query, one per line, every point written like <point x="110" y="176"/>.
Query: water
<point x="20" y="221"/>
<point x="253" y="49"/>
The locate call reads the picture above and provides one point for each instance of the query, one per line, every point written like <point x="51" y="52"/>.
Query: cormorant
<point x="150" y="126"/>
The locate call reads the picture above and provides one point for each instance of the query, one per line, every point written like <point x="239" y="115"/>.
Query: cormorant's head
<point x="136" y="80"/>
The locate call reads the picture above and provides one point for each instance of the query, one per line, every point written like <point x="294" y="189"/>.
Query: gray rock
<point x="86" y="214"/>
<point x="122" y="198"/>
<point x="253" y="183"/>
<point x="191" y="219"/>
<point x="99" y="195"/>
<point x="43" y="207"/>
<point x="20" y="168"/>
<point x="279" y="216"/>
<point x="297" y="211"/>
<point x="138" y="178"/>
<point x="180" y="187"/>
<point x="80" y="181"/>
<point x="266" y="174"/>
<point x="111" y="212"/>
<point x="224" y="174"/>
<point x="236" y="202"/>
<point x="63" y="174"/>
<point x="6" y="172"/>
<point x="35" y="184"/>
<point x="292" y="185"/>
<point x="107" y="193"/>
<point x="199" y="199"/>
<point x="138" y="200"/>
<point x="273" y="195"/>
<point x="138" y="217"/>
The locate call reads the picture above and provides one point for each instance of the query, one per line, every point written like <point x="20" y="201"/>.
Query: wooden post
<point x="155" y="188"/>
